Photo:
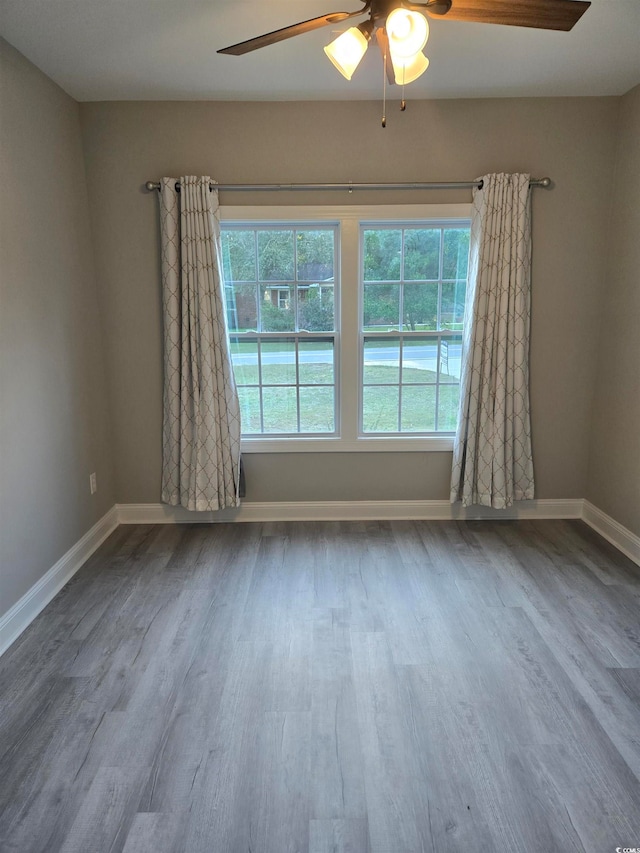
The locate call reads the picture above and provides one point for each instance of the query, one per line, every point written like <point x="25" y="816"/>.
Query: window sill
<point x="391" y="444"/>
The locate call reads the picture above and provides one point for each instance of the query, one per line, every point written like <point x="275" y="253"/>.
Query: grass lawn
<point x="381" y="401"/>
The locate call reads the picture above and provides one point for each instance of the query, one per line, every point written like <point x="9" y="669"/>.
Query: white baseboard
<point x="611" y="530"/>
<point x="24" y="611"/>
<point x="345" y="511"/>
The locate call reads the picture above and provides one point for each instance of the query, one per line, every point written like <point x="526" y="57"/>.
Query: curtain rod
<point x="451" y="185"/>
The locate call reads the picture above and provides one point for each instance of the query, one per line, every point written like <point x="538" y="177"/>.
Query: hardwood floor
<point x="385" y="687"/>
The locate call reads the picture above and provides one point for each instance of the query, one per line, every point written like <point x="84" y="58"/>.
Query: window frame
<point x="348" y="355"/>
<point x="295" y="336"/>
<point x="402" y="335"/>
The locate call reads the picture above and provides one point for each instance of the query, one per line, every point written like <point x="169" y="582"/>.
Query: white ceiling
<point x="166" y="50"/>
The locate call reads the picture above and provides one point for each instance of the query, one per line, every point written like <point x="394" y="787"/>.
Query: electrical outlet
<point x="93" y="483"/>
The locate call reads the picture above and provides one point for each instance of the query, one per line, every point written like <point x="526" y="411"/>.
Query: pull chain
<point x="384" y="91"/>
<point x="403" y="103"/>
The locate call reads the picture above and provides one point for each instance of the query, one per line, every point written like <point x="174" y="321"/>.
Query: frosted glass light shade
<point x="408" y="69"/>
<point x="407" y="32"/>
<point x="347" y="51"/>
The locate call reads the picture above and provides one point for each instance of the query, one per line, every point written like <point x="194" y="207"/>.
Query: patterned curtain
<point x="201" y="425"/>
<point x="492" y="463"/>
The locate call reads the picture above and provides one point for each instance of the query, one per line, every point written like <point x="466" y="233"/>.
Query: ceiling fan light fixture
<point x="408" y="69"/>
<point x="347" y="50"/>
<point x="407" y="32"/>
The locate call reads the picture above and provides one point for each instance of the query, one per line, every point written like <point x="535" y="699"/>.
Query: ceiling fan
<point x="543" y="14"/>
<point x="402" y="30"/>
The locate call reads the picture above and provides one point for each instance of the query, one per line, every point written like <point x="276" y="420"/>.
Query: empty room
<point x="319" y="426"/>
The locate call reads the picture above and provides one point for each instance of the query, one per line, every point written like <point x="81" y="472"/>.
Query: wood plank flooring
<point x="387" y="687"/>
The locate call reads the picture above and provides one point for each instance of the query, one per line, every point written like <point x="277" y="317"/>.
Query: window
<point x="280" y="299"/>
<point x="413" y="287"/>
<point x="346" y="324"/>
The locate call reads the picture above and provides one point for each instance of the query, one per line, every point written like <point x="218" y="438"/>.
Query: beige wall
<point x="569" y="139"/>
<point x="53" y="411"/>
<point x="614" y="469"/>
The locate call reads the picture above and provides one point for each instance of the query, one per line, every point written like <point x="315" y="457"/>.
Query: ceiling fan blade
<point x="288" y="32"/>
<point x="542" y="14"/>
<point x="383" y="44"/>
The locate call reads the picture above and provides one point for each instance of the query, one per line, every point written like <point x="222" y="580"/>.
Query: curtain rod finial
<point x="151" y="186"/>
